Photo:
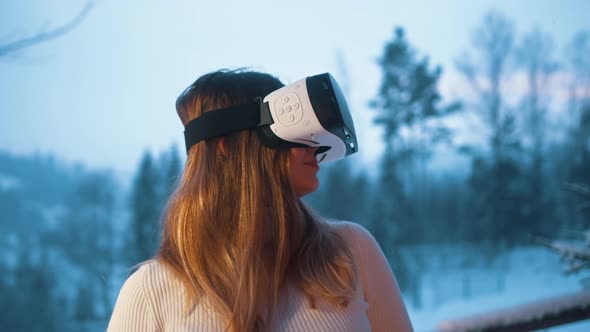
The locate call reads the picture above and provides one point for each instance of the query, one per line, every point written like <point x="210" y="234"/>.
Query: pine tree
<point x="579" y="131"/>
<point x="407" y="103"/>
<point x="171" y="168"/>
<point x="86" y="240"/>
<point x="145" y="211"/>
<point x="28" y="289"/>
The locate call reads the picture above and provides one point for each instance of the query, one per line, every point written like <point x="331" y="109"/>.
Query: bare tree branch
<point x="466" y="67"/>
<point x="492" y="42"/>
<point x="41" y="37"/>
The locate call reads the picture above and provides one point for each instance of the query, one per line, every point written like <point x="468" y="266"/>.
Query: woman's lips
<point x="313" y="164"/>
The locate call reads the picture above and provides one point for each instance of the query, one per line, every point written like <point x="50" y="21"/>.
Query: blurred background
<point x="473" y="121"/>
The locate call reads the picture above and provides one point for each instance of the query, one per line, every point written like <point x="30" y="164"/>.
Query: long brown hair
<point x="234" y="230"/>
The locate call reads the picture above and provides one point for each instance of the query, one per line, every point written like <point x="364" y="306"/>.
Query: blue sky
<point x="105" y="92"/>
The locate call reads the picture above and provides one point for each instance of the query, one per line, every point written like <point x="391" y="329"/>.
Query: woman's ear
<point x="222" y="146"/>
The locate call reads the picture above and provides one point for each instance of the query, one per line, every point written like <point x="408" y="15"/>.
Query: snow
<point x="8" y="183"/>
<point x="526" y="274"/>
<point x="53" y="215"/>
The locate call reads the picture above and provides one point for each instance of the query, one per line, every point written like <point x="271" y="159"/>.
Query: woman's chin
<point x="306" y="190"/>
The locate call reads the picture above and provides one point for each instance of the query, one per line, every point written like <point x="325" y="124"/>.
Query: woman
<point x="241" y="252"/>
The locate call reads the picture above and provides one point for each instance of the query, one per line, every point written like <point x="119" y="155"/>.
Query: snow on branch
<point x="531" y="316"/>
<point x="576" y="256"/>
<point x="582" y="190"/>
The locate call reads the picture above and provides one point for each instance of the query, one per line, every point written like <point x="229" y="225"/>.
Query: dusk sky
<point x="105" y="92"/>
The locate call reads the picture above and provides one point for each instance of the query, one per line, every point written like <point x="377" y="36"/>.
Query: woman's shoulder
<point x="359" y="239"/>
<point x="150" y="270"/>
<point x="152" y="277"/>
<point x="351" y="231"/>
<point x="144" y="296"/>
<point x="151" y="281"/>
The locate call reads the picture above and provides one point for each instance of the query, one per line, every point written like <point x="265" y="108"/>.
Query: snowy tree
<point x="579" y="104"/>
<point x="28" y="288"/>
<point x="170" y="167"/>
<point x="497" y="178"/>
<point x="85" y="239"/>
<point x="407" y="104"/>
<point x="146" y="205"/>
<point x="534" y="55"/>
<point x="576" y="254"/>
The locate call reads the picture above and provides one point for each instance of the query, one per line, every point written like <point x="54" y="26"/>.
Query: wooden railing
<point x="532" y="316"/>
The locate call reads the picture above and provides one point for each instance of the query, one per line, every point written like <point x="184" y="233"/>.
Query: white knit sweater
<point x="152" y="299"/>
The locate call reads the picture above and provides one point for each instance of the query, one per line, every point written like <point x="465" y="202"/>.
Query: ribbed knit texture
<point x="152" y="299"/>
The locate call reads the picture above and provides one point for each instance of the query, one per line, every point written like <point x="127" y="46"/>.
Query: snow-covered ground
<point x="525" y="275"/>
<point x="8" y="182"/>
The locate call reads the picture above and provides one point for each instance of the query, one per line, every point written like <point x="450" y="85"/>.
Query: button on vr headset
<point x="311" y="112"/>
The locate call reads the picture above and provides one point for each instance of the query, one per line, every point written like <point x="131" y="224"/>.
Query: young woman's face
<point x="303" y="170"/>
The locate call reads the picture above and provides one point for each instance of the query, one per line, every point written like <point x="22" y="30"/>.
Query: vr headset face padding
<point x="311" y="112"/>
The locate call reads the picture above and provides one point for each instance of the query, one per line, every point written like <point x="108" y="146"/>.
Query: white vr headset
<point x="311" y="112"/>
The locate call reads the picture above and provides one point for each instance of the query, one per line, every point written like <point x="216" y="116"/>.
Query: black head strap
<point x="225" y="121"/>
